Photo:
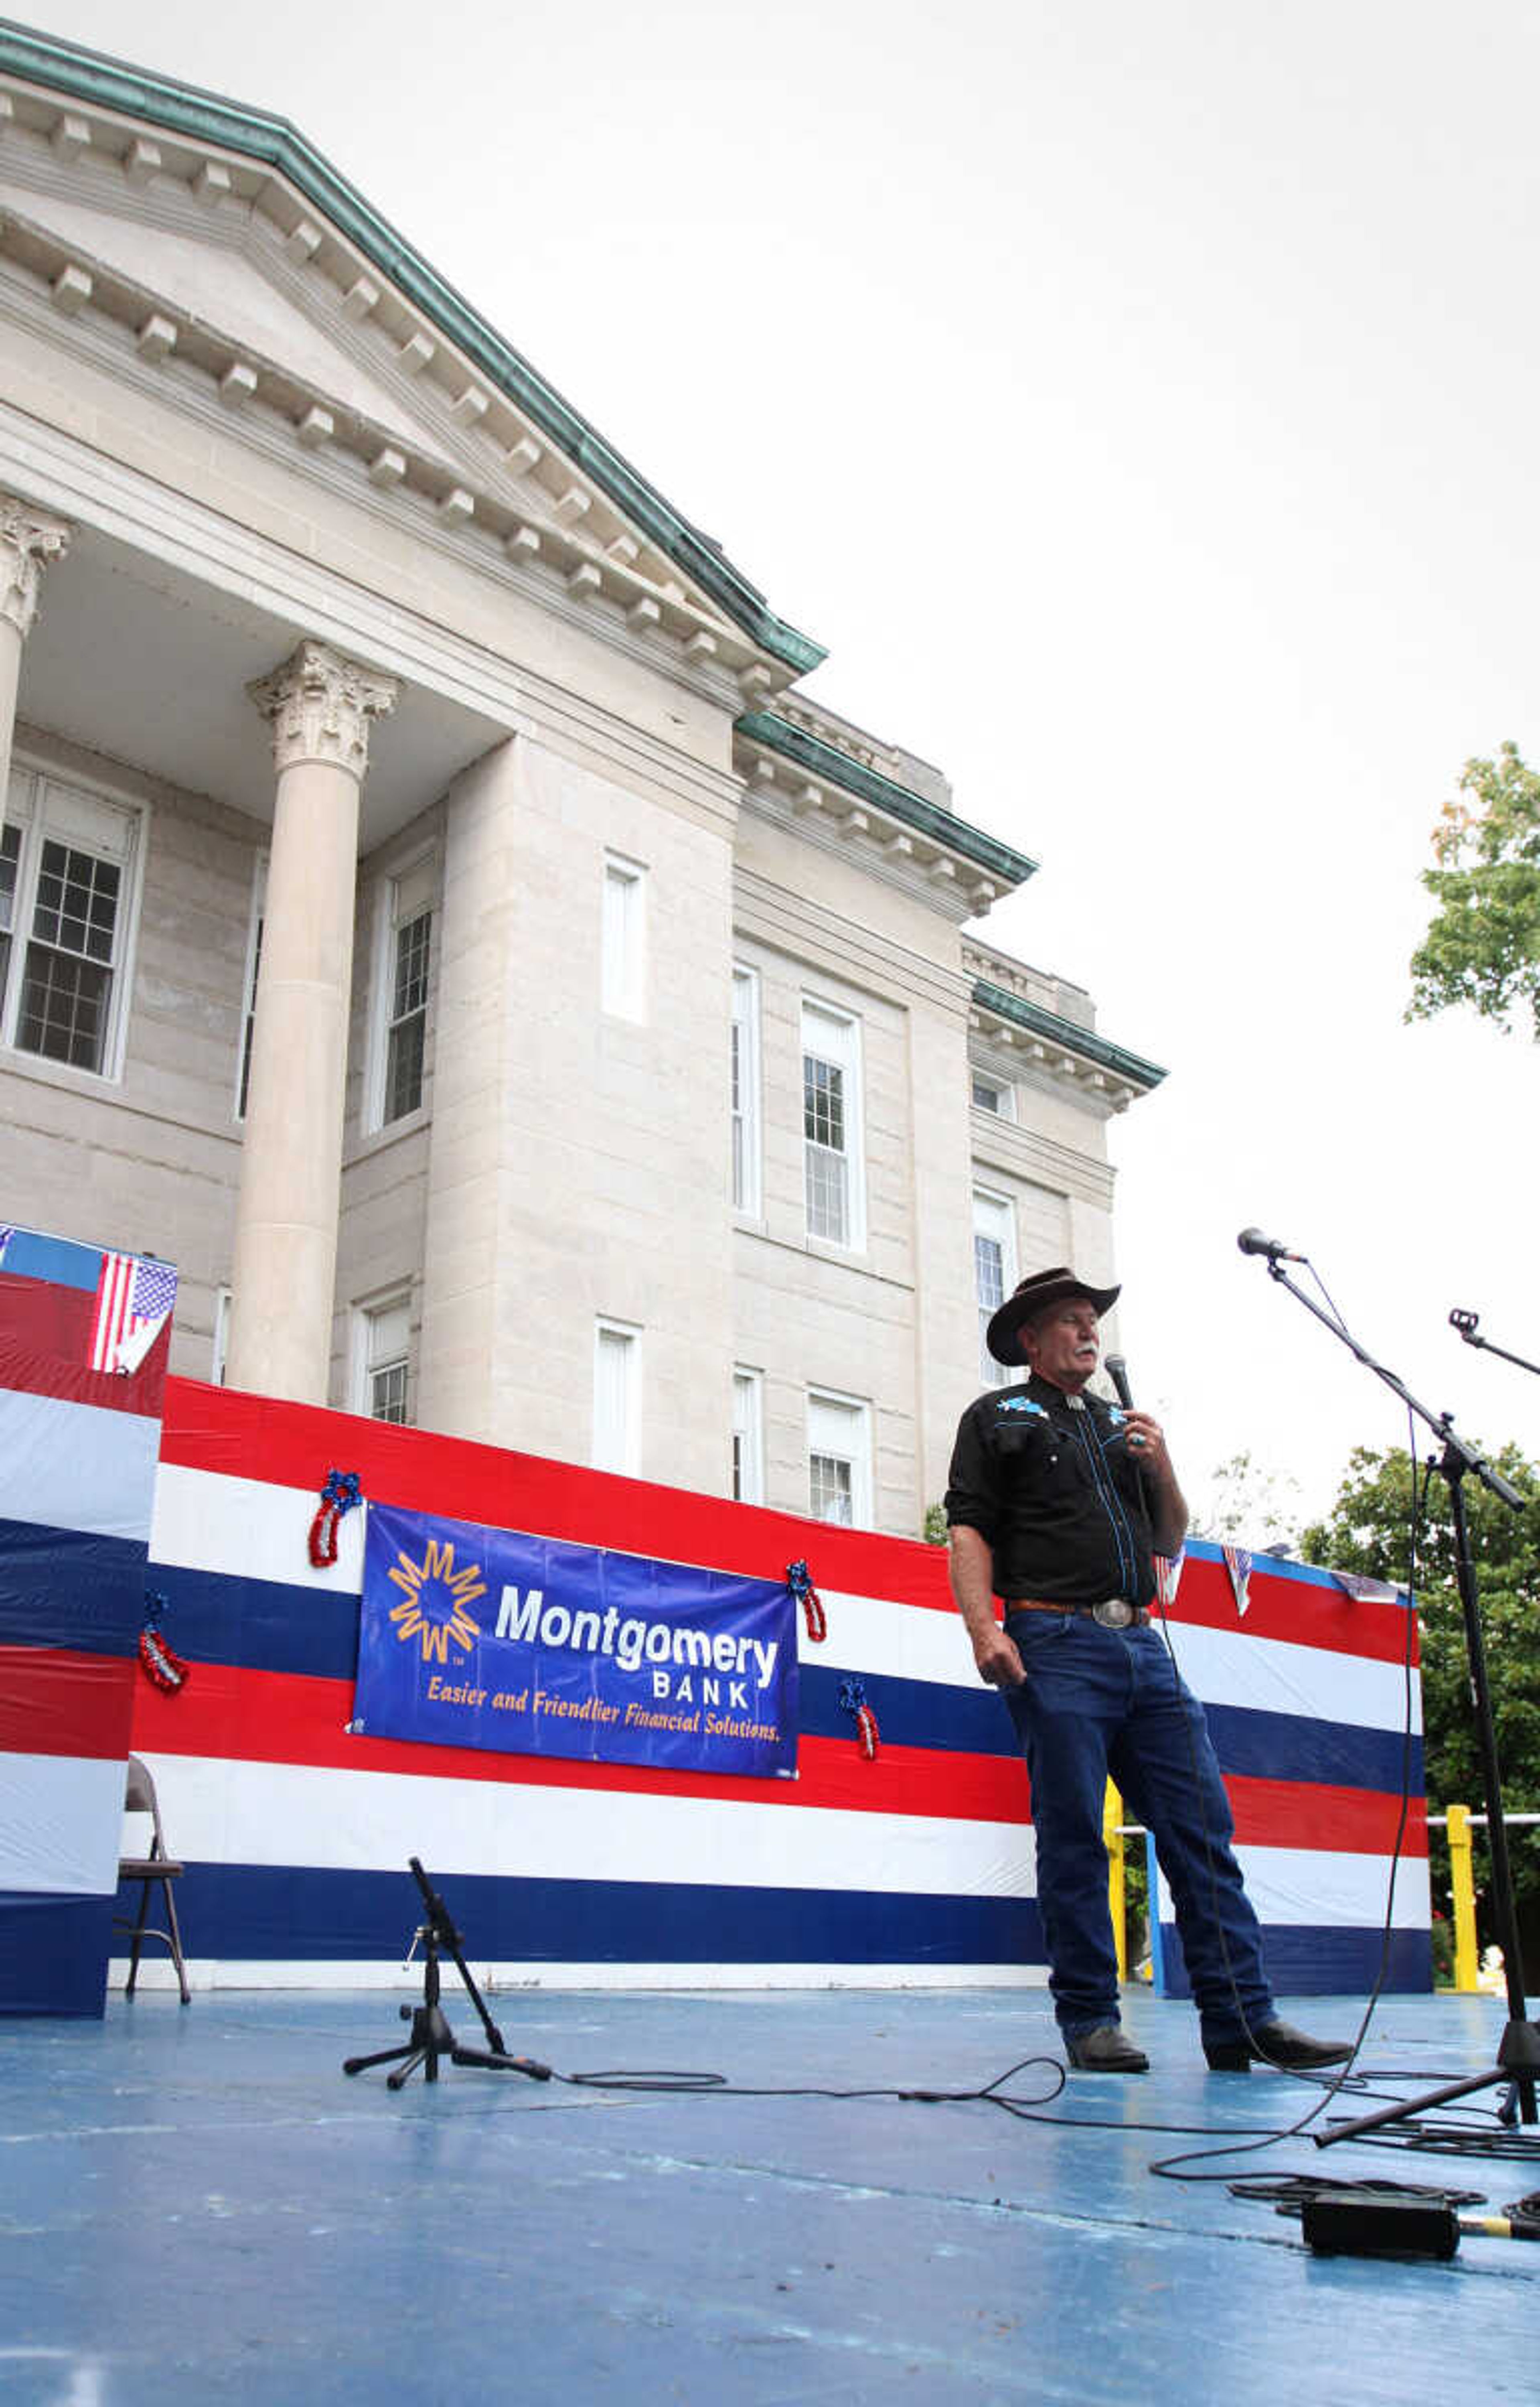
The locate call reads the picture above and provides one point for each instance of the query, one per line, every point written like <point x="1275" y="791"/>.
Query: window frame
<point x="368" y="1366"/>
<point x="989" y="1202"/>
<point x="746" y="1481"/>
<point x="415" y="874"/>
<point x="223" y="1299"/>
<point x="846" y="1029"/>
<point x="745" y="1104"/>
<point x="854" y="1413"/>
<point x="44" y="806"/>
<point x="252" y="970"/>
<point x="623" y="939"/>
<point x="624" y="1458"/>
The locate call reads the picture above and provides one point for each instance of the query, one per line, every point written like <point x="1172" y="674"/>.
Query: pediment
<point x="213" y="283"/>
<point x="176" y="237"/>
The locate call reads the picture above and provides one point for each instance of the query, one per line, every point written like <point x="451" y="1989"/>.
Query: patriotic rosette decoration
<point x="800" y="1581"/>
<point x="156" y="1659"/>
<point x="853" y="1700"/>
<point x="342" y="1491"/>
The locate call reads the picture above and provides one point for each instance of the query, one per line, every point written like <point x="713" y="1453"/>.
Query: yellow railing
<point x="1459" y="1824"/>
<point x="1462" y="1888"/>
<point x="1111" y="1830"/>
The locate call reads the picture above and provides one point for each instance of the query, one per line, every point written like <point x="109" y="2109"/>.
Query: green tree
<point x="1248" y="1504"/>
<point x="1483" y="944"/>
<point x="1368" y="1530"/>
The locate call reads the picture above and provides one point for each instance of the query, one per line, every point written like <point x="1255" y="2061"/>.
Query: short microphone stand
<point x="431" y="2036"/>
<point x="1518" y="2064"/>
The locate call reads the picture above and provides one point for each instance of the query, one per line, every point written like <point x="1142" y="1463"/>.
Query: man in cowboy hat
<point x="1058" y="1503"/>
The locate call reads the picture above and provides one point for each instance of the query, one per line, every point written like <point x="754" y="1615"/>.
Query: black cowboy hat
<point x="1035" y="1295"/>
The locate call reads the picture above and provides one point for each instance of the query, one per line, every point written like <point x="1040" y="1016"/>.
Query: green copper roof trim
<point x="825" y="761"/>
<point x="88" y="75"/>
<point x="1067" y="1033"/>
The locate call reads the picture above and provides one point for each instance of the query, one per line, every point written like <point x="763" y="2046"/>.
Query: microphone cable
<point x="1171" y="2168"/>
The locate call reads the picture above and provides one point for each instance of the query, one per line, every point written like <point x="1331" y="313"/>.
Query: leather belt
<point x="1112" y="1612"/>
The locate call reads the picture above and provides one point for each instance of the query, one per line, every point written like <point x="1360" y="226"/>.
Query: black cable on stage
<point x="1454" y="2140"/>
<point x="1290" y="2193"/>
<point x="1239" y="2138"/>
<point x="993" y="2093"/>
<point x="716" y="2084"/>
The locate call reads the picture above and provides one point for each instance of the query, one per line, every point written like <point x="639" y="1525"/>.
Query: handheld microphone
<point x="1117" y="1371"/>
<point x="1251" y="1241"/>
<point x="1465" y="1322"/>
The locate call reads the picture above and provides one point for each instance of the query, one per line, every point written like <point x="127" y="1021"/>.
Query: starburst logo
<point x="434" y="1599"/>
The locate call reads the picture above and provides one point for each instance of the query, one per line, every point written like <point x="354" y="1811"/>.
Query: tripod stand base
<point x="1517" y="2065"/>
<point x="431" y="2037"/>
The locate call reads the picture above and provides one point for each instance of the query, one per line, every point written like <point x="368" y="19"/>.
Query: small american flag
<point x="133" y="1296"/>
<point x="1167" y="1576"/>
<point x="1238" y="1563"/>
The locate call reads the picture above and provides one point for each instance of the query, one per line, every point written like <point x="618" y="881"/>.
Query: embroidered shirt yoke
<point x="1050" y="1485"/>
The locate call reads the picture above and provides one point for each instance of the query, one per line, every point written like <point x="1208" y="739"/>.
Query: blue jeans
<point x="1099" y="1701"/>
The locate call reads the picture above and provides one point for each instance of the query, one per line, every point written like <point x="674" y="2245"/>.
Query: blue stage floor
<point x="197" y="2204"/>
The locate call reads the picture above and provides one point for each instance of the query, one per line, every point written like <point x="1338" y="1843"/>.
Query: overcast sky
<point x="1139" y="402"/>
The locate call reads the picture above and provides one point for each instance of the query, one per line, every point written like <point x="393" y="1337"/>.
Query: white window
<point x="834" y="1183"/>
<point x="10" y="871"/>
<point x="748" y="1438"/>
<point x="402" y="954"/>
<point x="990" y="1096"/>
<point x="839" y="1461"/>
<point x="623" y="939"/>
<point x="253" y="966"/>
<point x="222" y="1334"/>
<point x="67" y="864"/>
<point x="383" y="1360"/>
<point x="994" y="1273"/>
<point x="617" y="1396"/>
<point x="745" y="1091"/>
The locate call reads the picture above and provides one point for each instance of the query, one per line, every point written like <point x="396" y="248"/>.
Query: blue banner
<point x="478" y="1637"/>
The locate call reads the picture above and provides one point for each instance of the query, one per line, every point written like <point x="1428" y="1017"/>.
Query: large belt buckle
<point x="1113" y="1613"/>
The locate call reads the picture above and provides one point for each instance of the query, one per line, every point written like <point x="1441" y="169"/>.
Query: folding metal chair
<point x="159" y="1869"/>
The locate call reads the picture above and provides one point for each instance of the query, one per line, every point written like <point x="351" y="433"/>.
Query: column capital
<point x="30" y="541"/>
<point x="319" y="705"/>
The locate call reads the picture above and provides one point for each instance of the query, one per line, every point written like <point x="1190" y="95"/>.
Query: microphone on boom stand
<point x="1251" y="1241"/>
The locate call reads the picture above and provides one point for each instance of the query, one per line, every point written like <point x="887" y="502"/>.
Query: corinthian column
<point x="30" y="541"/>
<point x="319" y="705"/>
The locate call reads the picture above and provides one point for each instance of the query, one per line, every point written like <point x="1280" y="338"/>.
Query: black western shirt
<point x="1053" y="1488"/>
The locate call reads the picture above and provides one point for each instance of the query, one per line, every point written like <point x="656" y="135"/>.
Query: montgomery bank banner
<point x="471" y="1636"/>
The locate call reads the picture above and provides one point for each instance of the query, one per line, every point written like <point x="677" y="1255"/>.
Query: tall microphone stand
<point x="1465" y="1322"/>
<point x="1517" y="2065"/>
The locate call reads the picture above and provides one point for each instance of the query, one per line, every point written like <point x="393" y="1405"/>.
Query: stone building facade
<point x="430" y="912"/>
